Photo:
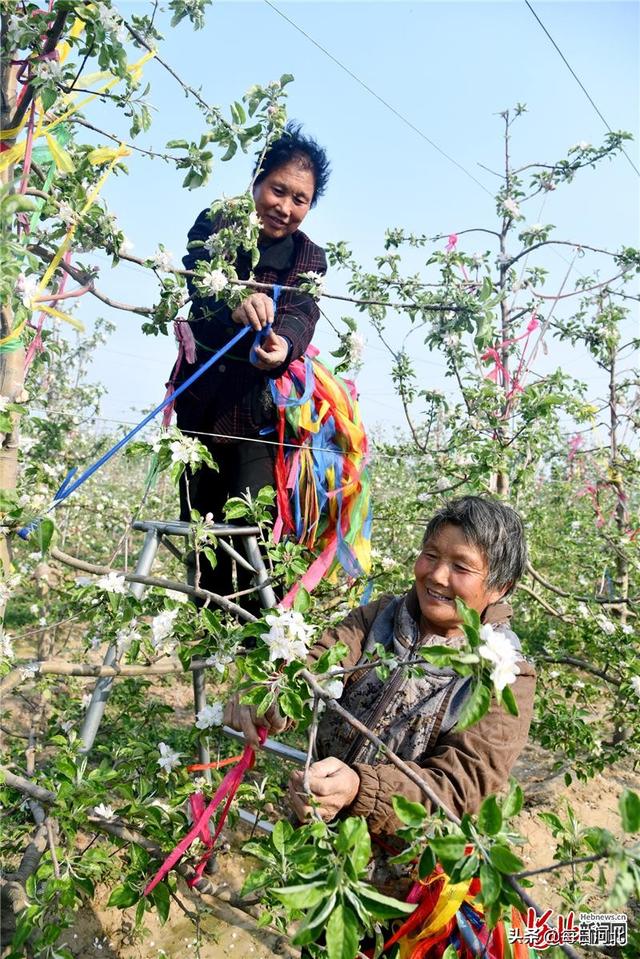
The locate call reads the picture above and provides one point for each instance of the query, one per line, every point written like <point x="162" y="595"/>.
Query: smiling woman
<point x="232" y="399"/>
<point x="474" y="549"/>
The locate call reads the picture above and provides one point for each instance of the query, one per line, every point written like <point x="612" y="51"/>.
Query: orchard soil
<point x="227" y="931"/>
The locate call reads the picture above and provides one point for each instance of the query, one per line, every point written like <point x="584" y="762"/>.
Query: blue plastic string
<point x="67" y="487"/>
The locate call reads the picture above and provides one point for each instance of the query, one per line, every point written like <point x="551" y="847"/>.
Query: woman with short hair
<point x="232" y="400"/>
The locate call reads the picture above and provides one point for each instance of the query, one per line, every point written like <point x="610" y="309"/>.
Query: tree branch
<point x="26" y="787"/>
<point x="583" y="599"/>
<point x="546" y="606"/>
<point x="579" y="664"/>
<point x="226" y="604"/>
<point x="54" y="35"/>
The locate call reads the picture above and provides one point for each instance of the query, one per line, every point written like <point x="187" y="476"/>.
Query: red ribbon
<point x="200" y="830"/>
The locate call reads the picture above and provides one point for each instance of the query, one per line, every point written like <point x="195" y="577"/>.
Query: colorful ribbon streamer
<point x="322" y="484"/>
<point x="200" y="830"/>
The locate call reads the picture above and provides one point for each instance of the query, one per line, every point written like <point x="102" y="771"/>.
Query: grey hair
<point x="494" y="528"/>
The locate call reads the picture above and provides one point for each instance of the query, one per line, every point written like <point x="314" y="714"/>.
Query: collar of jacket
<point x="495" y="613"/>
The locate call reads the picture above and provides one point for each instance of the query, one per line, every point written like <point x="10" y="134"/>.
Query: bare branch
<point x="27" y="787"/>
<point x="174" y="584"/>
<point x="579" y="664"/>
<point x="546" y="606"/>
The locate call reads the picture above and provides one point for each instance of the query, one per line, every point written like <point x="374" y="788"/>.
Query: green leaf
<point x="475" y="707"/>
<point x="439" y="655"/>
<point x="427" y="863"/>
<point x="448" y="849"/>
<point x="490" y="817"/>
<point x="353" y="837"/>
<point x="280" y="835"/>
<point x="509" y="701"/>
<point x="45" y="532"/>
<point x="504" y="860"/>
<point x="513" y="802"/>
<point x="305" y="933"/>
<point x="303" y="896"/>
<point x="410" y="813"/>
<point x="123" y="896"/>
<point x="302" y="601"/>
<point x="381" y="906"/>
<point x="491" y="883"/>
<point x="629" y="805"/>
<point x="342" y="933"/>
<point x="162" y="901"/>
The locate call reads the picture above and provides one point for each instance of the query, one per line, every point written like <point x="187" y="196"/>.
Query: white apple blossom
<point x="177" y="596"/>
<point x="333" y="687"/>
<point x="162" y="260"/>
<point x="627" y="629"/>
<point x="451" y="340"/>
<point x="354" y="342"/>
<point x="168" y="757"/>
<point x="635" y="683"/>
<point x="66" y="212"/>
<point x="6" y="646"/>
<point x="185" y="450"/>
<point x="497" y="649"/>
<point x="104" y="812"/>
<point x="126" y="636"/>
<point x="214" y="280"/>
<point x="113" y="583"/>
<point x="7" y="586"/>
<point x="110" y="20"/>
<point x="162" y="629"/>
<point x="27" y="288"/>
<point x="30" y="670"/>
<point x="126" y="246"/>
<point x="48" y="70"/>
<point x="254" y="219"/>
<point x="210" y="715"/>
<point x="86" y="699"/>
<point x="318" y="281"/>
<point x="606" y="625"/>
<point x="511" y="206"/>
<point x="289" y="636"/>
<point x="219" y="661"/>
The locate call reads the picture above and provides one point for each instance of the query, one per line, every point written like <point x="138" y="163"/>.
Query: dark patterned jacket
<point x="233" y="398"/>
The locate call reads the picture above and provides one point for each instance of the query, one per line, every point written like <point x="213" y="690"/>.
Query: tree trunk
<point x="11" y="361"/>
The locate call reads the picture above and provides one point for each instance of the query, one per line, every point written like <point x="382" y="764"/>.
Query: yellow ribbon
<point x="76" y="324"/>
<point x="15" y="153"/>
<point x="449" y="901"/>
<point x="14" y="333"/>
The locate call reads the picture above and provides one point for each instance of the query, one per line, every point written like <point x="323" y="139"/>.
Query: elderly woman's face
<point x="283" y="199"/>
<point x="449" y="566"/>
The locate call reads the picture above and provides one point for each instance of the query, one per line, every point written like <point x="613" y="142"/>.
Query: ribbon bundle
<point x="202" y="814"/>
<point x="322" y="482"/>
<point x="448" y="915"/>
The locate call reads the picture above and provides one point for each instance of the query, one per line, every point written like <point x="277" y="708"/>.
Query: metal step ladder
<point x="159" y="533"/>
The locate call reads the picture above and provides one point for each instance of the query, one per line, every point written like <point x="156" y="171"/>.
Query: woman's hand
<point x="332" y="783"/>
<point x="246" y="720"/>
<point x="271" y="353"/>
<point x="255" y="311"/>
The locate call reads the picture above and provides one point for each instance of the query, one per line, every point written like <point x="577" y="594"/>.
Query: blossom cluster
<point x="289" y="637"/>
<point x="497" y="649"/>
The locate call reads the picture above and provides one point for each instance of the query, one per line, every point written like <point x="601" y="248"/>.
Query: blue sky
<point x="449" y="68"/>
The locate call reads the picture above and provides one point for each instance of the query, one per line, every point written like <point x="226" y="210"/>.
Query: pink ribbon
<point x="186" y="350"/>
<point x="313" y="575"/>
<point x="493" y="353"/>
<point x="200" y="830"/>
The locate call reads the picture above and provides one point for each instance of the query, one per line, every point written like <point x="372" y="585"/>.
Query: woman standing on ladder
<point x="233" y="399"/>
